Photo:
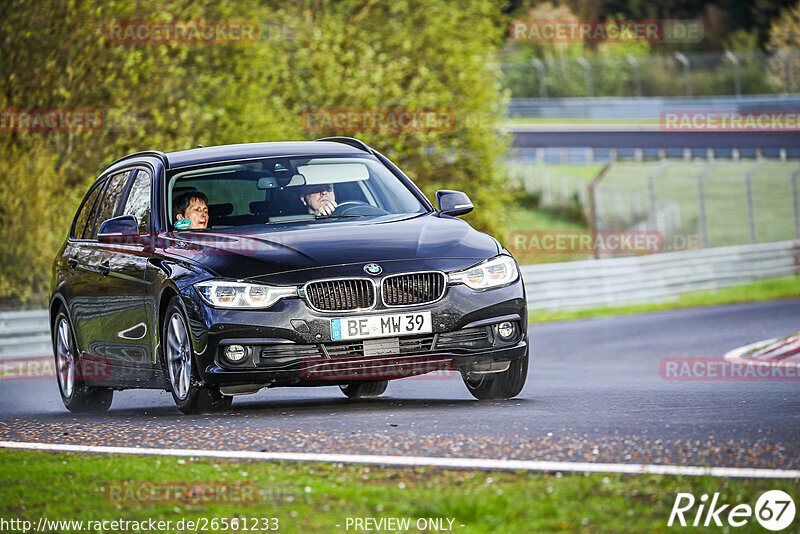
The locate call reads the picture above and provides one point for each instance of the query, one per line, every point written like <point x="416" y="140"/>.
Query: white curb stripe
<point x="421" y="461"/>
<point x="737" y="355"/>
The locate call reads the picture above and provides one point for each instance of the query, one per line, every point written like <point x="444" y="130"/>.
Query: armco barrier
<point x="654" y="278"/>
<point x="642" y="108"/>
<point x="24" y="334"/>
<point x="552" y="286"/>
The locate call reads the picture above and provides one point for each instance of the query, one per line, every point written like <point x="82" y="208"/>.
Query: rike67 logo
<point x="774" y="510"/>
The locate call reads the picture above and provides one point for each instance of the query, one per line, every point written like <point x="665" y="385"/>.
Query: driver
<point x="318" y="199"/>
<point x="192" y="205"/>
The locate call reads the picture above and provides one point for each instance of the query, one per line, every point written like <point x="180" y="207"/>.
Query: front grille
<point x="341" y="295"/>
<point x="414" y="288"/>
<point x="408" y="345"/>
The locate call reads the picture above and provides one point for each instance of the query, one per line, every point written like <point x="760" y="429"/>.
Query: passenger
<point x="192" y="205"/>
<point x="318" y="199"/>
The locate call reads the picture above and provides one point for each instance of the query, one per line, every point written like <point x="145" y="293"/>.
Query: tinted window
<point x="86" y="211"/>
<point x="108" y="206"/>
<point x="138" y="202"/>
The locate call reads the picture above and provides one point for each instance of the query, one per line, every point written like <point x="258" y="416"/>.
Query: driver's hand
<point x="326" y="208"/>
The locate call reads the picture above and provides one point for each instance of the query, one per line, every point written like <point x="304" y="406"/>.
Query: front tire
<point x="363" y="390"/>
<point x="76" y="395"/>
<point x="497" y="386"/>
<point x="189" y="396"/>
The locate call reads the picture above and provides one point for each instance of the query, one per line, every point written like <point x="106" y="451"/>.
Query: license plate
<point x="396" y="324"/>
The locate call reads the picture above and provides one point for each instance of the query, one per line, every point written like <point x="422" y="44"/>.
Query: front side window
<point x="138" y="203"/>
<point x="108" y="206"/>
<point x="86" y="213"/>
<point x="286" y="190"/>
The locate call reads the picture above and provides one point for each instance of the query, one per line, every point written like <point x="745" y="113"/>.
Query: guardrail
<point x="551" y="286"/>
<point x="643" y="107"/>
<point x="654" y="278"/>
<point x="24" y="334"/>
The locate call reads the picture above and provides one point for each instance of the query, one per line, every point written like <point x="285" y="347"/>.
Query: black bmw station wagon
<point x="215" y="272"/>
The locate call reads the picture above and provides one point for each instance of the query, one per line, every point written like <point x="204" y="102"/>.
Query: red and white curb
<point x="423" y="461"/>
<point x="769" y="351"/>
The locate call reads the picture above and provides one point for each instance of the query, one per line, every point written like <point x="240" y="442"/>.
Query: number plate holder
<point x="377" y="326"/>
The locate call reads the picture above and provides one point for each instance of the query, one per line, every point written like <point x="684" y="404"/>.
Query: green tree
<point x="312" y="54"/>
<point x="784" y="36"/>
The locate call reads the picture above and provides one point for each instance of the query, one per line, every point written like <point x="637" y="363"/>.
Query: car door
<point x="138" y="202"/>
<point x="120" y="324"/>
<point x="80" y="280"/>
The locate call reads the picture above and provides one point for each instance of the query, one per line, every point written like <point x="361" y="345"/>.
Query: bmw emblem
<point x="373" y="269"/>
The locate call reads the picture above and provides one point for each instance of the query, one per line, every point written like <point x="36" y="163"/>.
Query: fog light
<point x="506" y="330"/>
<point x="235" y="353"/>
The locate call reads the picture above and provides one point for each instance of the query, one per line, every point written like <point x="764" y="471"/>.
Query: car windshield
<point x="286" y="189"/>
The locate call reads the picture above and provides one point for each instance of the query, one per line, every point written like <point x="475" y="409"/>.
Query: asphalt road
<point x="594" y="393"/>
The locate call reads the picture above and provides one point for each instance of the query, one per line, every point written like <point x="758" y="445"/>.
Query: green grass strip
<point x="783" y="287"/>
<point x="314" y="497"/>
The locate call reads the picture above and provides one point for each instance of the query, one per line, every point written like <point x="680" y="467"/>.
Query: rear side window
<point x="86" y="212"/>
<point x="108" y="206"/>
<point x="138" y="203"/>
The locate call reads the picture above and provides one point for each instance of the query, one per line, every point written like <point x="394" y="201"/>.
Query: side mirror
<point x="453" y="202"/>
<point x="118" y="229"/>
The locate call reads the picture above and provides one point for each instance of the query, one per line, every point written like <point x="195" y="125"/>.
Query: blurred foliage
<point x="720" y="17"/>
<point x="726" y="26"/>
<point x="785" y="35"/>
<point x="313" y="54"/>
<point x="564" y="76"/>
<point x="572" y="212"/>
<point x="35" y="215"/>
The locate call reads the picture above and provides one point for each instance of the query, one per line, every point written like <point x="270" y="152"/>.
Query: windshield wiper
<point x="320" y="217"/>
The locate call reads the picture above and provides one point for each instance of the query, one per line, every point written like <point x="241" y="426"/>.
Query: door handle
<point x="105" y="268"/>
<point x="73" y="262"/>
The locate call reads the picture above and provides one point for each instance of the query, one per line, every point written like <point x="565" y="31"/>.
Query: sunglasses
<point x="314" y="190"/>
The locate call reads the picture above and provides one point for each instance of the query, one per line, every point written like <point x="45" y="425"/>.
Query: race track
<point x="594" y="393"/>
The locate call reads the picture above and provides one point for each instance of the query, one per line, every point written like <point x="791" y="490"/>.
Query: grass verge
<point x="317" y="497"/>
<point x="782" y="287"/>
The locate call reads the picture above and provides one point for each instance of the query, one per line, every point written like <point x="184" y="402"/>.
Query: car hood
<point x="271" y="253"/>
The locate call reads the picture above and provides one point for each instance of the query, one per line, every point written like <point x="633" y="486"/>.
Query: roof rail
<point x="154" y="153"/>
<point x="352" y="141"/>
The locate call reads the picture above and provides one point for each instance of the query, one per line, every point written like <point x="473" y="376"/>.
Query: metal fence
<point x="529" y="75"/>
<point x="705" y="201"/>
<point x="655" y="278"/>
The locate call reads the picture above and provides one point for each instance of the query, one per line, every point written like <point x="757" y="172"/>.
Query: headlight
<point x="495" y="272"/>
<point x="224" y="294"/>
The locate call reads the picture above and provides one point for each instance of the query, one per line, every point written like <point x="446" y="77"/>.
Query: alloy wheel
<point x="179" y="356"/>
<point x="65" y="358"/>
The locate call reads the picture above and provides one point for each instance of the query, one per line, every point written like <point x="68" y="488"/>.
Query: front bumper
<point x="290" y="343"/>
